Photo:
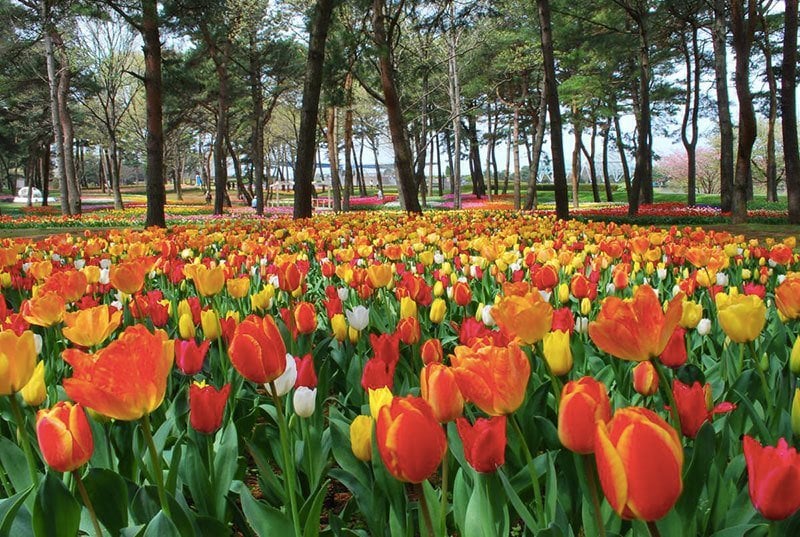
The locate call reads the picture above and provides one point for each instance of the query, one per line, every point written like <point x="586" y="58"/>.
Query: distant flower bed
<point x="673" y="210"/>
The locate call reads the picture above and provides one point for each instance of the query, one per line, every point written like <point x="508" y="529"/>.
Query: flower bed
<point x="470" y="373"/>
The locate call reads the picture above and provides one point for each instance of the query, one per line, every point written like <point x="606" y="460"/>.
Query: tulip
<point x="65" y="438"/>
<point x="794" y="358"/>
<point x="44" y="310"/>
<point x="431" y="351"/>
<point x="262" y="300"/>
<point x="34" y="392"/>
<point x="438" y="387"/>
<point x="377" y="374"/>
<point x="378" y="398"/>
<point x="526" y="318"/>
<point x="305" y="318"/>
<point x="289" y="277"/>
<point x="408" y="308"/>
<point x="186" y="328"/>
<point x="17" y="360"/>
<point x="189" y="356"/>
<point x="409" y="330"/>
<point x="238" y="287"/>
<point x="645" y="378"/>
<point x="125" y="380"/>
<point x="358" y="317"/>
<point x="787" y="297"/>
<point x="742" y="317"/>
<point x="306" y="375"/>
<point x="257" y="350"/>
<point x="304" y="401"/>
<point x="92" y="326"/>
<point x="796" y="412"/>
<point x="557" y="352"/>
<point x="563" y="293"/>
<point x="639" y="461"/>
<point x="438" y="310"/>
<point x="691" y="314"/>
<point x="339" y="327"/>
<point x="494" y="378"/>
<point x="563" y="320"/>
<point x="773" y="475"/>
<point x="208" y="281"/>
<point x="210" y="323"/>
<point x="410" y="441"/>
<point x="462" y="294"/>
<point x="583" y="403"/>
<point x="285" y="381"/>
<point x="674" y="354"/>
<point x="207" y="406"/>
<point x="128" y="276"/>
<point x="361" y="437"/>
<point x="380" y="275"/>
<point x="704" y="327"/>
<point x="695" y="406"/>
<point x="484" y="443"/>
<point x="636" y="329"/>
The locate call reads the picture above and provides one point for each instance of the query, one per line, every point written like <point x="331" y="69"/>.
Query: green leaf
<point x="8" y="511"/>
<point x="161" y="526"/>
<point x="312" y="510"/>
<point x="696" y="475"/>
<point x="736" y="531"/>
<point x="226" y="462"/>
<point x="516" y="501"/>
<point x="13" y="460"/>
<point x="461" y="495"/>
<point x="264" y="519"/>
<point x="109" y="496"/>
<point x="55" y="512"/>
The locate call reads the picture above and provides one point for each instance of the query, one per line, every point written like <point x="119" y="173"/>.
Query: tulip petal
<point x="610" y="469"/>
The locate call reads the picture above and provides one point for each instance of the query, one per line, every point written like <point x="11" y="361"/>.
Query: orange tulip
<point x="645" y="378"/>
<point x="128" y="276"/>
<point x="257" y="349"/>
<point x="525" y="318"/>
<point x="305" y="318"/>
<point x="409" y="330"/>
<point x="462" y="294"/>
<point x="44" y="310"/>
<point x="209" y="281"/>
<point x="787" y="297"/>
<point x="380" y="275"/>
<point x="438" y="387"/>
<point x="125" y="380"/>
<point x="639" y="461"/>
<point x="410" y="440"/>
<point x="636" y="329"/>
<point x="431" y="351"/>
<point x="64" y="436"/>
<point x="583" y="403"/>
<point x="494" y="378"/>
<point x="238" y="287"/>
<point x="91" y="327"/>
<point x="70" y="284"/>
<point x="17" y="360"/>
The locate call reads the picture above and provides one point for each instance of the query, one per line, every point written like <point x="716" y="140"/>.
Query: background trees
<point x="451" y="92"/>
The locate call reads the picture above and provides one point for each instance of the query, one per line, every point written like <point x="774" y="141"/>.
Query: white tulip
<point x="305" y="401"/>
<point x="358" y="317"/>
<point x="704" y="327"/>
<point x="285" y="382"/>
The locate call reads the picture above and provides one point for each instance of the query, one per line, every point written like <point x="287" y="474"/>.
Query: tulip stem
<point x="4" y="479"/>
<point x="156" y="462"/>
<point x="288" y="463"/>
<point x="667" y="387"/>
<point x="423" y="506"/>
<point x="445" y="483"/>
<point x="87" y="502"/>
<point x="591" y="483"/>
<point x="23" y="438"/>
<point x="764" y="385"/>
<point x="537" y="494"/>
<point x="653" y="528"/>
<point x="210" y="452"/>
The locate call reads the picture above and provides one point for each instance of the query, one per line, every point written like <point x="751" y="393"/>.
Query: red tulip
<point x="462" y="294"/>
<point x="305" y="318"/>
<point x="257" y="350"/>
<point x="494" y="378"/>
<point x="695" y="406"/>
<point x="674" y="354"/>
<point x="408" y="330"/>
<point x="189" y="356"/>
<point x="377" y="374"/>
<point x="410" y="440"/>
<point x="773" y="475"/>
<point x="207" y="406"/>
<point x="65" y="437"/>
<point x="306" y="375"/>
<point x="438" y="387"/>
<point x="431" y="351"/>
<point x="484" y="443"/>
<point x="583" y="403"/>
<point x="645" y="378"/>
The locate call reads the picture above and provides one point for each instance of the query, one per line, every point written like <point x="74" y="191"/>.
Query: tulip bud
<point x="704" y="327"/>
<point x="353" y="335"/>
<point x="438" y="310"/>
<point x="796" y="412"/>
<point x="557" y="352"/>
<point x="586" y="306"/>
<point x="438" y="289"/>
<point x="304" y="401"/>
<point x="358" y="317"/>
<point x="286" y="381"/>
<point x="361" y="438"/>
<point x="645" y="379"/>
<point x="408" y="307"/>
<point x="207" y="406"/>
<point x="305" y="318"/>
<point x="431" y="351"/>
<point x="379" y="398"/>
<point x="563" y="293"/>
<point x="34" y="393"/>
<point x="691" y="315"/>
<point x="186" y="327"/>
<point x="438" y="387"/>
<point x="339" y="327"/>
<point x="64" y="436"/>
<point x="210" y="323"/>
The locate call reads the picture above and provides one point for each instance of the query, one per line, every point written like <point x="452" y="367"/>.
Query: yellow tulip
<point x="408" y="307"/>
<point x="361" y="437"/>
<point x="339" y="327"/>
<point x="557" y="352"/>
<point x="742" y="317"/>
<point x="378" y="399"/>
<point x="796" y="412"/>
<point x="438" y="310"/>
<point x="691" y="314"/>
<point x="186" y="327"/>
<point x="34" y="393"/>
<point x="210" y="323"/>
<point x="17" y="360"/>
<point x="794" y="360"/>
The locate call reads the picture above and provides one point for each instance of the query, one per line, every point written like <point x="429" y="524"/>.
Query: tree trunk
<point x="590" y="160"/>
<point x="538" y="141"/>
<point x="156" y="196"/>
<point x="642" y="187"/>
<point x="576" y="158"/>
<point x="45" y="173"/>
<point x="719" y="33"/>
<point x="478" y="184"/>
<point x="67" y="131"/>
<point x="257" y="151"/>
<point x="606" y="176"/>
<point x="791" y="155"/>
<point x="55" y="118"/>
<point x="557" y="149"/>
<point x="115" y="166"/>
<point x="362" y="182"/>
<point x="333" y="158"/>
<point x="771" y="171"/>
<point x="422" y="143"/>
<point x="242" y="192"/>
<point x="348" y="141"/>
<point x="743" y="26"/>
<point x="454" y="153"/>
<point x="397" y="126"/>
<point x="453" y="181"/>
<point x="623" y="158"/>
<point x="491" y="127"/>
<point x="378" y="175"/>
<point x="439" y="166"/>
<point x="690" y="114"/>
<point x="306" y="140"/>
<point x="517" y="176"/>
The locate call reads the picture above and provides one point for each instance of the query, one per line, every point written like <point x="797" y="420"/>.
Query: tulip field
<point x="475" y="373"/>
